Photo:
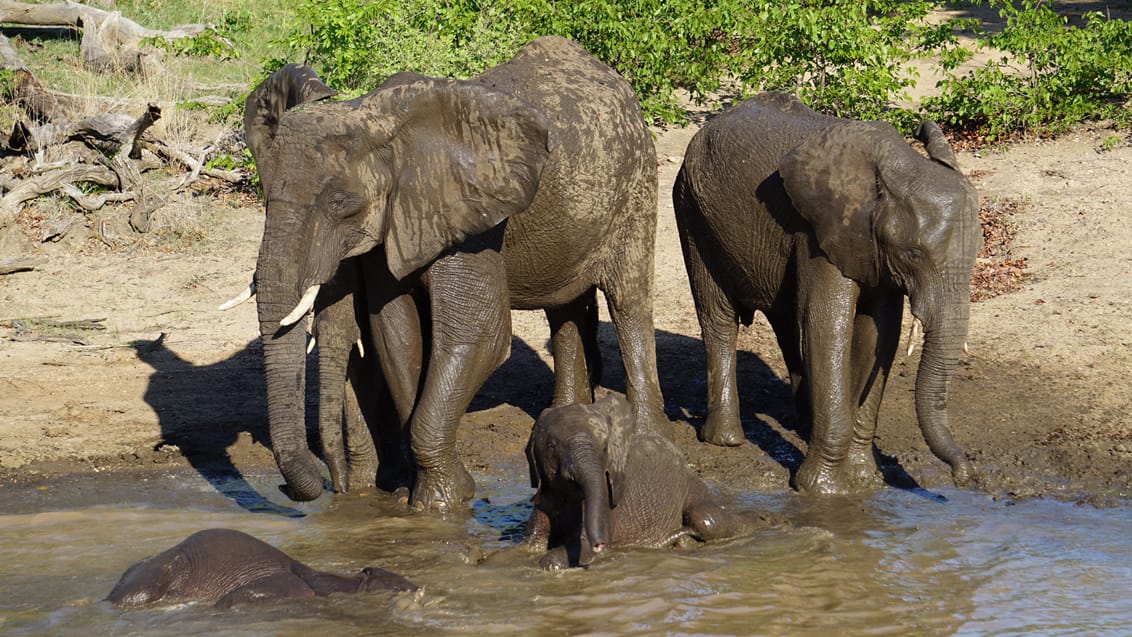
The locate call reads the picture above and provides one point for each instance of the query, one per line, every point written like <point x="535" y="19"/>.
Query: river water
<point x="895" y="563"/>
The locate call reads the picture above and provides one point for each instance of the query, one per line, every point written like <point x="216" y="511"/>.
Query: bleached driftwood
<point x="110" y="42"/>
<point x="50" y="182"/>
<point x="20" y="264"/>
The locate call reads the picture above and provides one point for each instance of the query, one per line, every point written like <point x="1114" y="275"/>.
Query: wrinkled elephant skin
<point x="531" y="186"/>
<point x="605" y="480"/>
<point x="825" y="225"/>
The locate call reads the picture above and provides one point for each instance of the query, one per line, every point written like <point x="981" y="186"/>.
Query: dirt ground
<point x="1041" y="402"/>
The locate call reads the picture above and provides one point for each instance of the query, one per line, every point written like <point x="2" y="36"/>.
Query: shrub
<point x="1047" y="76"/>
<point x="838" y="55"/>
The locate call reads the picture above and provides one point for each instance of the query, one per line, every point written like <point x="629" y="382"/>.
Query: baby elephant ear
<point x="465" y="157"/>
<point x="832" y="179"/>
<point x="284" y="89"/>
<point x="532" y="463"/>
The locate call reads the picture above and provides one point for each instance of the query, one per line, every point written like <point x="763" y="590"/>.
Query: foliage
<point x="356" y="44"/>
<point x="840" y="56"/>
<point x="1046" y="76"/>
<point x="207" y="43"/>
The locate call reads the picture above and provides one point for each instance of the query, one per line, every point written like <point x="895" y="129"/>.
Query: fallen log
<point x="50" y="182"/>
<point x="20" y="264"/>
<point x="71" y="14"/>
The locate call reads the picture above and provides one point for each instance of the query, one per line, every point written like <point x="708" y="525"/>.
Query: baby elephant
<point x="604" y="480"/>
<point x="230" y="567"/>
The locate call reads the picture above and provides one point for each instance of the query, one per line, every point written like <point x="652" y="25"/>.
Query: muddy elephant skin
<point x="605" y="480"/>
<point x="230" y="567"/>
<point x="825" y="225"/>
<point x="531" y="186"/>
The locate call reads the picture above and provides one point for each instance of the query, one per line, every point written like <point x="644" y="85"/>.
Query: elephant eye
<point x="343" y="204"/>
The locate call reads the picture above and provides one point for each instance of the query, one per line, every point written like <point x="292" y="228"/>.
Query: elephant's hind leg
<point x="577" y="362"/>
<point x="719" y="328"/>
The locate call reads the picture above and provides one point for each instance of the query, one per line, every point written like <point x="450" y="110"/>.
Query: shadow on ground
<point x="204" y="410"/>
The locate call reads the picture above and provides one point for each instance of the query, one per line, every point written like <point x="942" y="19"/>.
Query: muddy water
<point x="897" y="563"/>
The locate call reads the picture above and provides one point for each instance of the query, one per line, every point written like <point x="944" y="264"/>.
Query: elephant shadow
<point x="527" y="382"/>
<point x="205" y="409"/>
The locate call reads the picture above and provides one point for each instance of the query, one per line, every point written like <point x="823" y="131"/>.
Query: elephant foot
<point x="442" y="489"/>
<point x="816" y="476"/>
<point x="723" y="432"/>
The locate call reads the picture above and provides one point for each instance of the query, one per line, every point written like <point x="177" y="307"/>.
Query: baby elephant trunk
<point x="596" y="508"/>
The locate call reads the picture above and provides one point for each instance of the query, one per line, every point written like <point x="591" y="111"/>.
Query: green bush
<point x="840" y="56"/>
<point x="1046" y="75"/>
<point x="843" y="57"/>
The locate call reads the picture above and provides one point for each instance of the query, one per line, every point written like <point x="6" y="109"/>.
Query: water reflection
<point x="897" y="563"/>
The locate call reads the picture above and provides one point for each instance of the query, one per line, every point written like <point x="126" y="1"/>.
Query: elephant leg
<point x="335" y="331"/>
<point x="536" y="534"/>
<point x="572" y="326"/>
<point x="361" y="407"/>
<point x="876" y="335"/>
<point x="789" y="341"/>
<point x="632" y="321"/>
<point x="396" y="322"/>
<point x="719" y="327"/>
<point x="471" y="337"/>
<point x="707" y="520"/>
<point x="827" y="307"/>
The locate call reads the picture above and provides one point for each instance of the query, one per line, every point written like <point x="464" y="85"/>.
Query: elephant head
<point x="576" y="455"/>
<point x="414" y="167"/>
<point x="885" y="215"/>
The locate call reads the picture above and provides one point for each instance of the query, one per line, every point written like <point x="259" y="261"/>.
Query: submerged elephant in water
<point x="607" y="479"/>
<point x="231" y="567"/>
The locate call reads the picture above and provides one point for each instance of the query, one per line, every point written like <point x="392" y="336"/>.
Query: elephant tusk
<point x="304" y="306"/>
<point x="310" y="344"/>
<point x="361" y="349"/>
<point x="239" y="298"/>
<point x="913" y="335"/>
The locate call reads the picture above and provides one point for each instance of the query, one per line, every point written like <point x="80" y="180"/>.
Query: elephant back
<point x="597" y="193"/>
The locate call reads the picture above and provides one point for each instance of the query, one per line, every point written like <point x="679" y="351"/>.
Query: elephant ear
<point x="465" y="157"/>
<point x="935" y="143"/>
<point x="621" y="425"/>
<point x="834" y="181"/>
<point x="284" y="89"/>
<point x="532" y="463"/>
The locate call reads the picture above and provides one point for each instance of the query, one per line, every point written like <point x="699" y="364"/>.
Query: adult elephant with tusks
<point x="824" y="225"/>
<point x="423" y="172"/>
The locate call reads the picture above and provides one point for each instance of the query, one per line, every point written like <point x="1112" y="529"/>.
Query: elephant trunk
<point x="595" y="512"/>
<point x="944" y="336"/>
<point x="284" y="359"/>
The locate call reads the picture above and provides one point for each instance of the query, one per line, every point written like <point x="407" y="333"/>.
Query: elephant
<point x="605" y="479"/>
<point x="230" y="567"/>
<point x="530" y="186"/>
<point x="340" y="320"/>
<point x="824" y="225"/>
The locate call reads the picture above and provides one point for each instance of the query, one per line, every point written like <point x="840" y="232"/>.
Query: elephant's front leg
<point x="876" y="334"/>
<point x="471" y="337"/>
<point x="826" y="310"/>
